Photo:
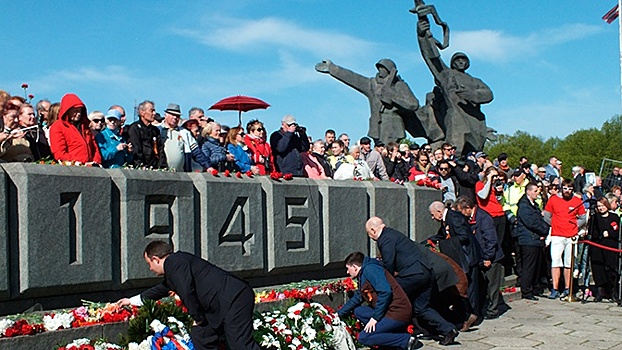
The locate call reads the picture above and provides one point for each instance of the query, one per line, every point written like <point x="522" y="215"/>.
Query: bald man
<point x="413" y="272"/>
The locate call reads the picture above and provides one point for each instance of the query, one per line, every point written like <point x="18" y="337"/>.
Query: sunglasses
<point x="260" y="129"/>
<point x="443" y="169"/>
<point x="98" y="120"/>
<point x="567" y="188"/>
<point x="241" y="133"/>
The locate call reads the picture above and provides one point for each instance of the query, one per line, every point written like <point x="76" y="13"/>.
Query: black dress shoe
<point x="530" y="297"/>
<point x="491" y="316"/>
<point x="413" y="344"/>
<point x="449" y="338"/>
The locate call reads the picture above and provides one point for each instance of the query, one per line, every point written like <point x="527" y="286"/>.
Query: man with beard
<point x="391" y="102"/>
<point x="565" y="214"/>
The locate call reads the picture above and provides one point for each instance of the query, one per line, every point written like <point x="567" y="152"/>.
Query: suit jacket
<point x="205" y="289"/>
<point x="457" y="226"/>
<point x="400" y="255"/>
<point x="486" y="235"/>
<point x="531" y="226"/>
<point x="444" y="273"/>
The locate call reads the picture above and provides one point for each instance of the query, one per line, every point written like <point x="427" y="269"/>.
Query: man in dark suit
<point x="455" y="228"/>
<point x="492" y="254"/>
<point x="413" y="272"/>
<point x="219" y="302"/>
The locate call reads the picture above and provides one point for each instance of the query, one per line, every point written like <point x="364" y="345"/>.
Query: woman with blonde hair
<point x="235" y="146"/>
<point x="215" y="153"/>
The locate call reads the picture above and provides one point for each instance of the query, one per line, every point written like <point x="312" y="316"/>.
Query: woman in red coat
<point x="259" y="149"/>
<point x="70" y="137"/>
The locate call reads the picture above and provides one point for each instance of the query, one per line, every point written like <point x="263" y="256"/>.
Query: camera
<point x="498" y="183"/>
<point x="301" y="129"/>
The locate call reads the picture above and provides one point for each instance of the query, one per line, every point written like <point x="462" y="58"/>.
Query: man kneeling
<point x="388" y="312"/>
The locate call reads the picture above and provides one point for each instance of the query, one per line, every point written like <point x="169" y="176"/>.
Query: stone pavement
<point x="545" y="324"/>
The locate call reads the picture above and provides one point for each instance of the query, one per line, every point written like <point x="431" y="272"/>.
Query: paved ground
<point x="546" y="324"/>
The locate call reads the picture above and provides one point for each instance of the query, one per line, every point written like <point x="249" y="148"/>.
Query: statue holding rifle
<point x="457" y="96"/>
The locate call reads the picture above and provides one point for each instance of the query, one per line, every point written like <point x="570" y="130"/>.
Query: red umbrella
<point x="240" y="104"/>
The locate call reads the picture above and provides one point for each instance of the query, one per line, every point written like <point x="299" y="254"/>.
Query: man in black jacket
<point x="531" y="231"/>
<point x="413" y="273"/>
<point x="148" y="148"/>
<point x="455" y="227"/>
<point x="219" y="302"/>
<point x="490" y="264"/>
<point x="287" y="143"/>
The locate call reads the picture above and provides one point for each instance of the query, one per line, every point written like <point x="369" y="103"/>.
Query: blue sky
<point x="553" y="66"/>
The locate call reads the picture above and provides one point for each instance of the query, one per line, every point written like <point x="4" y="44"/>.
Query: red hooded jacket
<point x="69" y="143"/>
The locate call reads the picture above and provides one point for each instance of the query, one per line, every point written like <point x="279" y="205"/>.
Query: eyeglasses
<point x="260" y="129"/>
<point x="98" y="120"/>
<point x="345" y="140"/>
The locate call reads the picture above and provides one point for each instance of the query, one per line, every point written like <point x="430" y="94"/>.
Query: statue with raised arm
<point x="391" y="102"/>
<point x="457" y="96"/>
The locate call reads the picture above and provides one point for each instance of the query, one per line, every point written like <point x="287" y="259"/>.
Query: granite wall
<point x="74" y="232"/>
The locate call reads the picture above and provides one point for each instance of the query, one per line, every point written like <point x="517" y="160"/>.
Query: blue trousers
<point x="388" y="332"/>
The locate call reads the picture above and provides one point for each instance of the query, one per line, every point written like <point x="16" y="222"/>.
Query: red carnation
<point x="227" y="173"/>
<point x="31" y="96"/>
<point x="10" y="332"/>
<point x="24" y="86"/>
<point x="214" y="172"/>
<point x="238" y="175"/>
<point x="249" y="174"/>
<point x="288" y="177"/>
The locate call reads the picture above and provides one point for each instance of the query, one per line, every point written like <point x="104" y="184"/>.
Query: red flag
<point x="611" y="15"/>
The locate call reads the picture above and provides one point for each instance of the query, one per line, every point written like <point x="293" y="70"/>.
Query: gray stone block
<point x="153" y="205"/>
<point x="231" y="218"/>
<point x="422" y="225"/>
<point x="345" y="210"/>
<point x="4" y="251"/>
<point x="293" y="224"/>
<point x="388" y="201"/>
<point x="63" y="228"/>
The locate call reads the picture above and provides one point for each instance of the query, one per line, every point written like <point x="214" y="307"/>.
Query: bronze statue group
<point x="452" y="112"/>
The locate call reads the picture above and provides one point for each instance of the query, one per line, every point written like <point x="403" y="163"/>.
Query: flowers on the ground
<point x="89" y="344"/>
<point x="302" y="326"/>
<point x="57" y="321"/>
<point x="139" y="327"/>
<point x="305" y="290"/>
<point x="169" y="336"/>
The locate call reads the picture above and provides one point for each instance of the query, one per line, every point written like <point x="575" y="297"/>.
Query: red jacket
<point x="69" y="143"/>
<point x="259" y="147"/>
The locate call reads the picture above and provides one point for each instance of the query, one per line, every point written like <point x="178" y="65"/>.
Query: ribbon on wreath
<point x="165" y="339"/>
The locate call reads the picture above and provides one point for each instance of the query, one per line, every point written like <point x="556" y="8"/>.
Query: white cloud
<point x="253" y="35"/>
<point x="498" y="47"/>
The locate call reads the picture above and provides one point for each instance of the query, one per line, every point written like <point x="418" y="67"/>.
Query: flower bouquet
<point x="169" y="336"/>
<point x="302" y="326"/>
<point x="89" y="344"/>
<point x="305" y="290"/>
<point x="166" y="312"/>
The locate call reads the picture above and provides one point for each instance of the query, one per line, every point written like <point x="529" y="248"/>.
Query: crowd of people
<point x="65" y="132"/>
<point x="497" y="216"/>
